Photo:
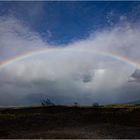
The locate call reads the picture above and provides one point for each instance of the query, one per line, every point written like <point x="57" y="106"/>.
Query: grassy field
<point x="112" y="121"/>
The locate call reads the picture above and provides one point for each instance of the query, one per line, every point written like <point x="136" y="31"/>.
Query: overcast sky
<point x="78" y="62"/>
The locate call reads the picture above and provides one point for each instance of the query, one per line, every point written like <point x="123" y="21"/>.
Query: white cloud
<point x="60" y="73"/>
<point x="17" y="38"/>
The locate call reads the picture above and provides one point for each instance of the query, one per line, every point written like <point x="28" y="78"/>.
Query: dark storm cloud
<point x="135" y="77"/>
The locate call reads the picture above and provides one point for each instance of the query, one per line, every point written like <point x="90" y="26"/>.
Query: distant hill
<point x="134" y="102"/>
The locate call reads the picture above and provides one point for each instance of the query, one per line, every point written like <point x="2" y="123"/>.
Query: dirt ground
<point x="70" y="122"/>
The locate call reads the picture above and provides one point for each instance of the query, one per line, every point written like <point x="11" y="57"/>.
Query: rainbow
<point x="45" y="50"/>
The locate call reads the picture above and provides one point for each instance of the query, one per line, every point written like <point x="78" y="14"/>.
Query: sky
<point x="69" y="52"/>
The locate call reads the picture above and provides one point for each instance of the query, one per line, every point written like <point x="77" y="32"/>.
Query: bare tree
<point x="47" y="102"/>
<point x="95" y="104"/>
<point x="76" y="104"/>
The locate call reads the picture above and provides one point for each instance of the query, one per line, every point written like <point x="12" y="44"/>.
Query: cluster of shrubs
<point x="48" y="102"/>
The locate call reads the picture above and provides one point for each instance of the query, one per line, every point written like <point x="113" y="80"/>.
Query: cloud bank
<point x="70" y="73"/>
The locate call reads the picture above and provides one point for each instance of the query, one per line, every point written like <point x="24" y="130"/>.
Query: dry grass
<point x="71" y="122"/>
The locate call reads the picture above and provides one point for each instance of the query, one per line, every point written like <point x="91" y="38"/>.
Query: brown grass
<point x="114" y="121"/>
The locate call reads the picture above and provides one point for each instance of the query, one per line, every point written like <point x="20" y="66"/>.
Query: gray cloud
<point x="67" y="74"/>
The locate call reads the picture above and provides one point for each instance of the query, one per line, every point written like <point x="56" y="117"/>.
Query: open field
<point x="113" y="121"/>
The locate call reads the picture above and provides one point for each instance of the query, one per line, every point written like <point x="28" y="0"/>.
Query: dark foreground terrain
<point x="71" y="122"/>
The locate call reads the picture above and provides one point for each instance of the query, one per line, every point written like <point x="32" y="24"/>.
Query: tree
<point x="47" y="102"/>
<point x="75" y="104"/>
<point x="95" y="104"/>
